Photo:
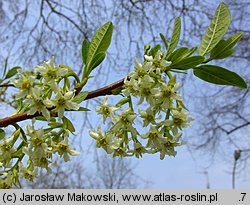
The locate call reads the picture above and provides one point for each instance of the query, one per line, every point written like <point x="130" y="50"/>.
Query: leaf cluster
<point x="212" y="47"/>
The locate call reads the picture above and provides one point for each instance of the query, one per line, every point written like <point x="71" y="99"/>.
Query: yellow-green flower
<point x="51" y="73"/>
<point x="27" y="173"/>
<point x="105" y="110"/>
<point x="63" y="102"/>
<point x="38" y="103"/>
<point x="102" y="139"/>
<point x="24" y="82"/>
<point x="63" y="149"/>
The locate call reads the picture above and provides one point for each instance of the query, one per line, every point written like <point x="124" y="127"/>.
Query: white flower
<point x="38" y="147"/>
<point x="102" y="139"/>
<point x="27" y="173"/>
<point x="64" y="101"/>
<point x="6" y="181"/>
<point x="6" y="150"/>
<point x="118" y="149"/>
<point x="63" y="149"/>
<point x="124" y="123"/>
<point x="168" y="145"/>
<point x="158" y="61"/>
<point x="153" y="137"/>
<point x="140" y="69"/>
<point x="37" y="103"/>
<point x="105" y="110"/>
<point x="130" y="87"/>
<point x="168" y="93"/>
<point x="139" y="149"/>
<point x="179" y="120"/>
<point x="148" y="116"/>
<point x="146" y="92"/>
<point x="51" y="73"/>
<point x="24" y="82"/>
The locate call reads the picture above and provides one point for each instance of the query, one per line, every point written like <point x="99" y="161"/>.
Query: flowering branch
<point x="45" y="91"/>
<point x="107" y="90"/>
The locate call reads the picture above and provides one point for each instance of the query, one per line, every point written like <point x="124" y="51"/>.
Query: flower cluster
<point x="38" y="146"/>
<point x="163" y="115"/>
<point x="40" y="91"/>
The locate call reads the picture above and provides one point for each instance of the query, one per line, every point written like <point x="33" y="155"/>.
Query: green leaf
<point x="85" y="46"/>
<point x="98" y="58"/>
<point x="216" y="30"/>
<point x="224" y="48"/>
<point x="164" y="40"/>
<point x="190" y="52"/>
<point x="12" y="72"/>
<point x="177" y="54"/>
<point x="175" y="36"/>
<point x="2" y="134"/>
<point x="41" y="118"/>
<point x="16" y="133"/>
<point x="181" y="53"/>
<point x="218" y="75"/>
<point x="123" y="101"/>
<point x="55" y="125"/>
<point x="80" y="97"/>
<point x="187" y="63"/>
<point x="99" y="44"/>
<point x="225" y="54"/>
<point x="68" y="124"/>
<point x="154" y="50"/>
<point x="83" y="109"/>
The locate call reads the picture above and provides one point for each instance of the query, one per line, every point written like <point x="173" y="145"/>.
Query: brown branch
<point x="107" y="90"/>
<point x="6" y="85"/>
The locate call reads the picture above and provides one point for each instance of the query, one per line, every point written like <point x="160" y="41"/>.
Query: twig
<point x="107" y="90"/>
<point x="237" y="155"/>
<point x="6" y="85"/>
<point x="233" y="174"/>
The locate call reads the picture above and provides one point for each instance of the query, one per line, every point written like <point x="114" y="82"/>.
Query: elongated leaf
<point x="180" y="54"/>
<point x="177" y="55"/>
<point x="12" y="72"/>
<point x="68" y="124"/>
<point x="2" y="134"/>
<point x="164" y="41"/>
<point x="225" y="54"/>
<point x="55" y="125"/>
<point x="175" y="36"/>
<point x="223" y="47"/>
<point x="80" y="97"/>
<point x="190" y="52"/>
<point x="85" y="46"/>
<point x="98" y="58"/>
<point x="99" y="43"/>
<point x="41" y="118"/>
<point x="216" y="29"/>
<point x="218" y="75"/>
<point x="83" y="109"/>
<point x="187" y="63"/>
<point x="154" y="50"/>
